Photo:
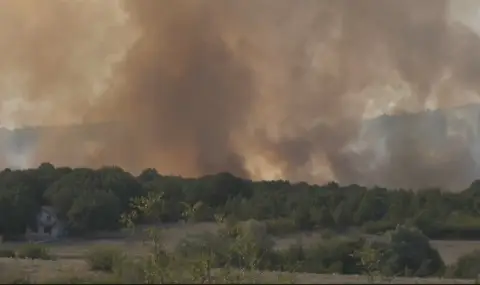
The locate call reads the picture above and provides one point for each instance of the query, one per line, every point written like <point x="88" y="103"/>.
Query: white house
<point x="48" y="225"/>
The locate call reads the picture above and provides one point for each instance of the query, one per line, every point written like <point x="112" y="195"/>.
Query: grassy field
<point x="69" y="258"/>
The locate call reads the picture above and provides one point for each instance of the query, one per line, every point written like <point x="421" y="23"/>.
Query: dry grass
<point x="308" y="278"/>
<point x="44" y="271"/>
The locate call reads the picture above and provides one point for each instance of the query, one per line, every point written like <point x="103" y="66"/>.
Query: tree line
<point x="90" y="200"/>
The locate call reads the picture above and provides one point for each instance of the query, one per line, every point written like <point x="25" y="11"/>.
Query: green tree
<point x="83" y="182"/>
<point x="19" y="202"/>
<point x="18" y="210"/>
<point x="303" y="219"/>
<point x="342" y="215"/>
<point x="373" y="207"/>
<point x="322" y="217"/>
<point x="94" y="210"/>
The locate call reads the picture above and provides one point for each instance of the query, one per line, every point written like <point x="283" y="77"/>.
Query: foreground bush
<point x="332" y="256"/>
<point x="409" y="253"/>
<point x="7" y="253"/>
<point x="467" y="266"/>
<point x="103" y="258"/>
<point x="34" y="251"/>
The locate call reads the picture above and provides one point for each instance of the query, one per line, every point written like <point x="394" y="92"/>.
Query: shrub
<point x="291" y="258"/>
<point x="201" y="245"/>
<point x="327" y="256"/>
<point x="281" y="226"/>
<point x="335" y="256"/>
<point x="251" y="247"/>
<point x="467" y="266"/>
<point x="370" y="258"/>
<point x="328" y="234"/>
<point x="103" y="258"/>
<point x="132" y="271"/>
<point x="409" y="250"/>
<point x="229" y="228"/>
<point x="7" y="253"/>
<point x="253" y="227"/>
<point x="34" y="251"/>
<point x="303" y="219"/>
<point x="378" y="227"/>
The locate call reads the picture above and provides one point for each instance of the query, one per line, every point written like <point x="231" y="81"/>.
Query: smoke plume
<point x="261" y="88"/>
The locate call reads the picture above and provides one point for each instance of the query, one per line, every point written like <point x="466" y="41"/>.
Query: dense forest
<point x="95" y="200"/>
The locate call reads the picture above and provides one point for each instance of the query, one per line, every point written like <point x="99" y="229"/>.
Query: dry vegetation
<point x="69" y="264"/>
<point x="49" y="271"/>
<point x="450" y="250"/>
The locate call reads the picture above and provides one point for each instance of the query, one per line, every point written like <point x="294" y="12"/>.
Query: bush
<point x="282" y="226"/>
<point x="291" y="258"/>
<point x="303" y="219"/>
<point x="467" y="266"/>
<point x="206" y="244"/>
<point x="103" y="258"/>
<point x="132" y="271"/>
<point x="34" y="251"/>
<point x="334" y="256"/>
<point x="251" y="246"/>
<point x="229" y="227"/>
<point x="378" y="227"/>
<point x="328" y="234"/>
<point x="327" y="256"/>
<point x="409" y="250"/>
<point x="7" y="253"/>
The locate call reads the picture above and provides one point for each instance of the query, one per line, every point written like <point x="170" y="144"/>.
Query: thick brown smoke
<point x="261" y="88"/>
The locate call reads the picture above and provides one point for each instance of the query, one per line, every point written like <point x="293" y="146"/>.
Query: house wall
<point x="46" y="218"/>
